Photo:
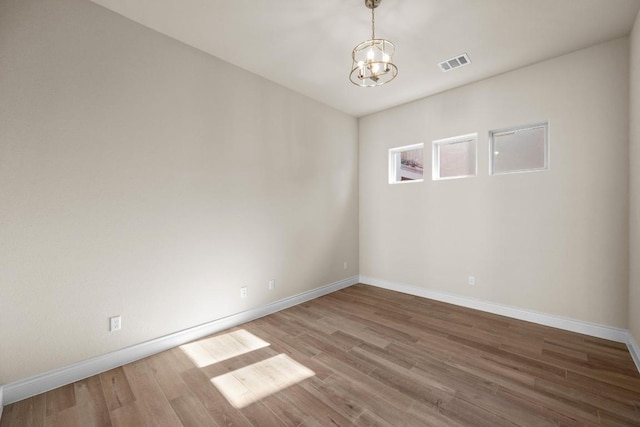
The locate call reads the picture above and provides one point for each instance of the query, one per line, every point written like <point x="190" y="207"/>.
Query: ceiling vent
<point x="456" y="62"/>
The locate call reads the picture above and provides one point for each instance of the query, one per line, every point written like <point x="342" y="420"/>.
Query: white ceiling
<point x="306" y="45"/>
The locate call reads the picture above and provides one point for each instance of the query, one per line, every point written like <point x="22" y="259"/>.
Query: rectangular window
<point x="521" y="149"/>
<point x="455" y="157"/>
<point x="406" y="164"/>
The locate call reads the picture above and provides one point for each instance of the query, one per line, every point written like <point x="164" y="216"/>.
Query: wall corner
<point x="633" y="319"/>
<point x="634" y="350"/>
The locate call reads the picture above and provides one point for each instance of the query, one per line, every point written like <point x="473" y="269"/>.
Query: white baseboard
<point x="634" y="349"/>
<point x="28" y="387"/>
<point x="593" y="329"/>
<point x="1" y="402"/>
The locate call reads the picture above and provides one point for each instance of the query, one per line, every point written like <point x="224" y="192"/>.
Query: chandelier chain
<point x="373" y="24"/>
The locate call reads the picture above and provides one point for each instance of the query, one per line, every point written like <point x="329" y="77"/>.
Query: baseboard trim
<point x="587" y="328"/>
<point x="41" y="383"/>
<point x="634" y="349"/>
<point x="1" y="402"/>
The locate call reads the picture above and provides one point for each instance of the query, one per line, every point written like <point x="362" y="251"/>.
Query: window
<point x="406" y="164"/>
<point x="521" y="149"/>
<point x="455" y="157"/>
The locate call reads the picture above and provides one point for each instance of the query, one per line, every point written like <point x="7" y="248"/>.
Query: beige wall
<point x="144" y="178"/>
<point x="554" y="242"/>
<point x="634" y="258"/>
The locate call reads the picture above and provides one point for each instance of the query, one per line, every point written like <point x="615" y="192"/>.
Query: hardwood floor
<point x="362" y="356"/>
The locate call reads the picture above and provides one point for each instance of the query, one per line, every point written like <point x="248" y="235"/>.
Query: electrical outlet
<point x="272" y="284"/>
<point x="243" y="292"/>
<point x="472" y="280"/>
<point x="115" y="323"/>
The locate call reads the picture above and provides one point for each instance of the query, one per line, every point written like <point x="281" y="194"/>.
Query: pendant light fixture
<point x="373" y="59"/>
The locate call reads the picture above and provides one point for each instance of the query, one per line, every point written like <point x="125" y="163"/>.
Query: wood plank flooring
<point x="361" y="356"/>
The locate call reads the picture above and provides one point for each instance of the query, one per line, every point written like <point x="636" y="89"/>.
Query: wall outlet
<point x="115" y="323"/>
<point x="472" y="280"/>
<point x="345" y="265"/>
<point x="272" y="284"/>
<point x="244" y="292"/>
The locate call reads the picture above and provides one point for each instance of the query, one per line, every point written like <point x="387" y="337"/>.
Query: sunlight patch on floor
<point x="212" y="350"/>
<point x="251" y="383"/>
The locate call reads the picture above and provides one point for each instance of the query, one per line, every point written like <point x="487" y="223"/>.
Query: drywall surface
<point x="143" y="178"/>
<point x="634" y="157"/>
<point x="554" y="241"/>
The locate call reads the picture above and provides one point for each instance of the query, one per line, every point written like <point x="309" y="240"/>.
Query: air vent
<point x="456" y="62"/>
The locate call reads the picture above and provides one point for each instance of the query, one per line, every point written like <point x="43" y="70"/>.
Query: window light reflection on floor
<point x="252" y="383"/>
<point x="212" y="350"/>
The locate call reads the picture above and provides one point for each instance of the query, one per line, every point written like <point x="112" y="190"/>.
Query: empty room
<point x="320" y="213"/>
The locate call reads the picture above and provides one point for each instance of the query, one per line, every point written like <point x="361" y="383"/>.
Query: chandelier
<point x="373" y="59"/>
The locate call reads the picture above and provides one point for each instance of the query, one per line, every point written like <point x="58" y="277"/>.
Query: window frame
<point x="436" y="144"/>
<point x="394" y="155"/>
<point x="514" y="129"/>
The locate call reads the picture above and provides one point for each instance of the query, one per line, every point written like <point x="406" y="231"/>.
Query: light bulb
<point x="370" y="54"/>
<point x="385" y="57"/>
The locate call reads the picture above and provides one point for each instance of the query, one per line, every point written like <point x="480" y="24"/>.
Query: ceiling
<point x="306" y="45"/>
